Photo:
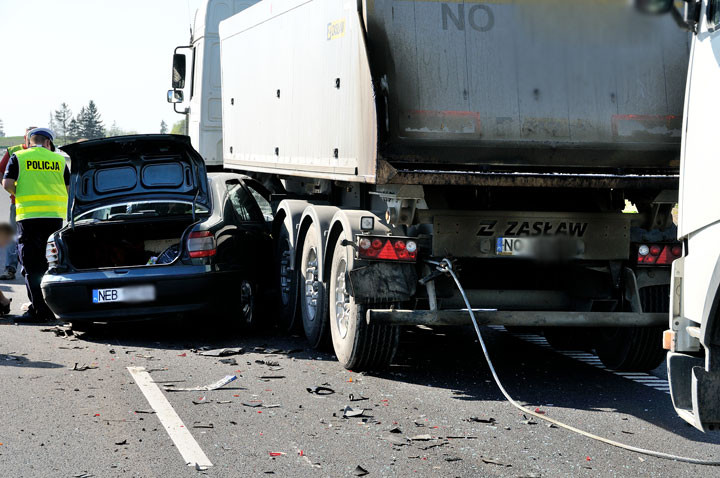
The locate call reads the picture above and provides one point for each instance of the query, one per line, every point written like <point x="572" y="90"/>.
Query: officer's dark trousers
<point x="32" y="240"/>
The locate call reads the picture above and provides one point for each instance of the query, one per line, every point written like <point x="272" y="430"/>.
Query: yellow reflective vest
<point x="40" y="187"/>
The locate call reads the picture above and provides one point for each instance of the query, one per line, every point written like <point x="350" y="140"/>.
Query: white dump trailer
<point x="506" y="136"/>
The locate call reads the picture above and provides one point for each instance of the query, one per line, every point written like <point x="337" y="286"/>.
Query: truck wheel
<point x="286" y="281"/>
<point x="636" y="349"/>
<point x="312" y="300"/>
<point x="358" y="346"/>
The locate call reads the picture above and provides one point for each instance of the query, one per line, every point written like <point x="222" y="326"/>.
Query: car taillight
<point x="52" y="254"/>
<point x="658" y="254"/>
<point x="387" y="248"/>
<point x="201" y="244"/>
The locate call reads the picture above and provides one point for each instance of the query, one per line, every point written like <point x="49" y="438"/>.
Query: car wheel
<point x="636" y="349"/>
<point x="312" y="291"/>
<point x="247" y="304"/>
<point x="358" y="346"/>
<point x="286" y="282"/>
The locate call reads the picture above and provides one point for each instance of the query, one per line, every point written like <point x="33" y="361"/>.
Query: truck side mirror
<point x="178" y="73"/>
<point x="654" y="7"/>
<point x="175" y="96"/>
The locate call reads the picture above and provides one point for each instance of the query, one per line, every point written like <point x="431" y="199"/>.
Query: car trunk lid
<point x="135" y="168"/>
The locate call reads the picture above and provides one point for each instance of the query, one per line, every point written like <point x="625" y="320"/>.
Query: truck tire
<point x="312" y="291"/>
<point x="636" y="349"/>
<point x="358" y="346"/>
<point x="286" y="282"/>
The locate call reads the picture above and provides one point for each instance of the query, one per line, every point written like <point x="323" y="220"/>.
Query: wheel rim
<point x="246" y="301"/>
<point x="342" y="300"/>
<point x="312" y="284"/>
<point x="286" y="275"/>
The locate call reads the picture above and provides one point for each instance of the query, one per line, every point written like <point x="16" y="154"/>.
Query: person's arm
<point x="9" y="185"/>
<point x="11" y="174"/>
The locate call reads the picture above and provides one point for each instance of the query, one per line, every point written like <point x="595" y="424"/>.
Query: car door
<point x="251" y="252"/>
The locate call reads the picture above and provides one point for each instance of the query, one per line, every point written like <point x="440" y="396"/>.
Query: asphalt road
<point x="60" y="422"/>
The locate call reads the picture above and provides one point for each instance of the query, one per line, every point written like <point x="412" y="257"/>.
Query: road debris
<point x="269" y="363"/>
<point x="201" y="401"/>
<point x="60" y="331"/>
<point x="124" y="442"/>
<point x="81" y="368"/>
<point x="320" y="390"/>
<point x="277" y="453"/>
<point x="360" y="471"/>
<point x="495" y="462"/>
<point x="200" y="467"/>
<point x="358" y="399"/>
<point x="225" y="352"/>
<point x="489" y="420"/>
<point x="424" y="437"/>
<point x="228" y="361"/>
<point x="253" y="403"/>
<point x="395" y="440"/>
<point x="203" y="425"/>
<point x="350" y="412"/>
<point x="213" y="386"/>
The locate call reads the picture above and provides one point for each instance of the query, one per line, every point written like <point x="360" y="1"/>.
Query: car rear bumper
<point x="179" y="289"/>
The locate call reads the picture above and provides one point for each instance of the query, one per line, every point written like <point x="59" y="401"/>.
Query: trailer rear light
<point x="658" y="254"/>
<point x="201" y="244"/>
<point x="387" y="248"/>
<point x="52" y="254"/>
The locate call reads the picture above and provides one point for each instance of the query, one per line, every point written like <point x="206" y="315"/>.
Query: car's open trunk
<point x="126" y="243"/>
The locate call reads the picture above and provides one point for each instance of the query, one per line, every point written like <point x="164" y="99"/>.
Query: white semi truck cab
<point x="693" y="338"/>
<point x="196" y="92"/>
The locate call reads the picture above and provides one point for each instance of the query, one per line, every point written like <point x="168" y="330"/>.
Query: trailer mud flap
<point x="383" y="282"/>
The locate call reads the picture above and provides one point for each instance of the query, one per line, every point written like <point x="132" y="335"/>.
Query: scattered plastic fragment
<point x="201" y="400"/>
<point x="277" y="453"/>
<point x="395" y="430"/>
<point x="494" y="462"/>
<point x="82" y="368"/>
<point x="395" y="440"/>
<point x="358" y="399"/>
<point x="253" y="403"/>
<point x="228" y="361"/>
<point x="490" y="420"/>
<point x="203" y="425"/>
<point x="320" y="390"/>
<point x="213" y="386"/>
<point x="270" y="377"/>
<point x="222" y="352"/>
<point x="200" y="467"/>
<point x="350" y="412"/>
<point x="587" y="458"/>
<point x="124" y="442"/>
<point x="144" y="411"/>
<point x="537" y="410"/>
<point x="182" y="355"/>
<point x="360" y="471"/>
<point x="424" y="437"/>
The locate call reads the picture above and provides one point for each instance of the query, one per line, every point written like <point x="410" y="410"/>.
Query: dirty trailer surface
<point x="417" y="418"/>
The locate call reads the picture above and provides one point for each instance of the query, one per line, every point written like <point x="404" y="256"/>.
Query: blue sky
<point x="117" y="53"/>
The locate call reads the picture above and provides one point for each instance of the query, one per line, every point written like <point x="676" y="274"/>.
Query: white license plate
<point x="514" y="246"/>
<point x="142" y="293"/>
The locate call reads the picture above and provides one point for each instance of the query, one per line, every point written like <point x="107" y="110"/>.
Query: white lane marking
<point x="646" y="379"/>
<point x="180" y="435"/>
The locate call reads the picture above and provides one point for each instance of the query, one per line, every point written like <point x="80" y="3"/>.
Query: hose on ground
<point x="446" y="266"/>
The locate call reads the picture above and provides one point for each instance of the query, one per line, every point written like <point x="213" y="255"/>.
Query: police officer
<point x="11" y="255"/>
<point x="39" y="179"/>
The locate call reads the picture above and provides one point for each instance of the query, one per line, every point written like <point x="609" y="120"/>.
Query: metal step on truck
<point x="535" y="145"/>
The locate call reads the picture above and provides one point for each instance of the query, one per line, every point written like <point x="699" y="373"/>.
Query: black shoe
<point x="9" y="274"/>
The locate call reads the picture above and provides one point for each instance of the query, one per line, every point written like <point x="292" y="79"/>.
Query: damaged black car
<point x="150" y="233"/>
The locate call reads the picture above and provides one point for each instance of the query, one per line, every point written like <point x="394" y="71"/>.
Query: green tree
<point x="74" y="131"/>
<point x="163" y="127"/>
<point x="2" y="129"/>
<point x="63" y="116"/>
<point x="179" y="127"/>
<point x="51" y="123"/>
<point x="91" y="123"/>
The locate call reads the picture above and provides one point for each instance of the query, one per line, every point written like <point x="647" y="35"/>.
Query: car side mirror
<point x="178" y="73"/>
<point x="175" y="96"/>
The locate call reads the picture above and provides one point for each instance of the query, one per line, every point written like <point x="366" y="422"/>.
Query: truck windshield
<point x="143" y="209"/>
